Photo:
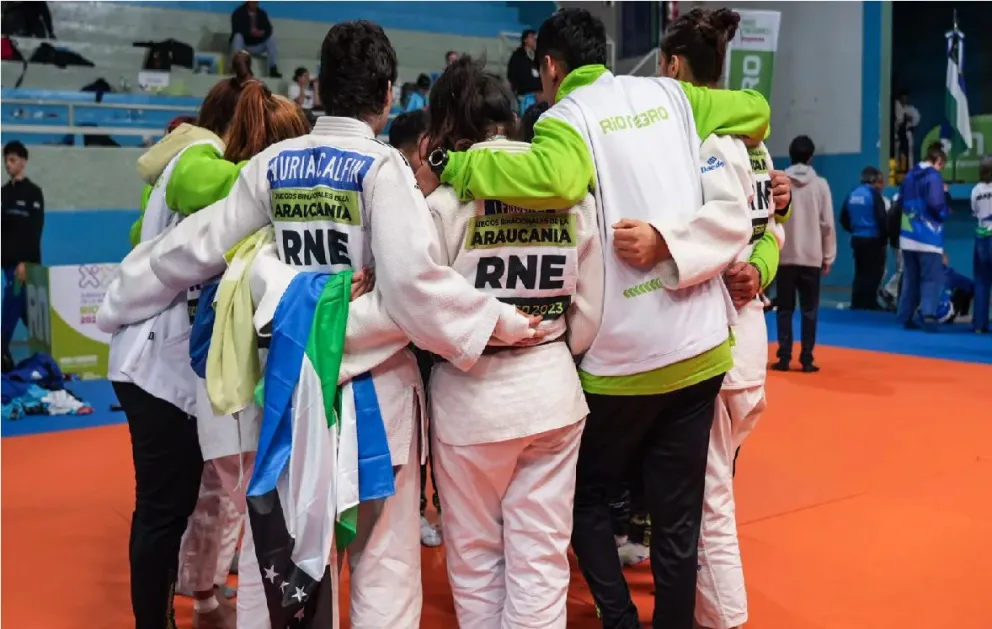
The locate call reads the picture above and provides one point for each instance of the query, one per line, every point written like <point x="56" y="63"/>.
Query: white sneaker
<point x="632" y="554"/>
<point x="430" y="535"/>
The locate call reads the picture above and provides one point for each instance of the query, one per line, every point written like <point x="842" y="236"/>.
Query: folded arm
<point x="714" y="236"/>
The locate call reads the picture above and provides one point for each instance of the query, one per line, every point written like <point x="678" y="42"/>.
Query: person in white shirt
<point x="981" y="207"/>
<point x="506" y="433"/>
<point x="339" y="199"/>
<point x="303" y="91"/>
<point x="694" y="49"/>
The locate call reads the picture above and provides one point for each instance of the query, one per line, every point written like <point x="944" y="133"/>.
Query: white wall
<point x="816" y="88"/>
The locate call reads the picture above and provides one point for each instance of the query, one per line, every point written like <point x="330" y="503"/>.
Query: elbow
<point x="571" y="189"/>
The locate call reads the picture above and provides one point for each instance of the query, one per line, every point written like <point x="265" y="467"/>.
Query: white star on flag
<point x="271" y="574"/>
<point x="299" y="594"/>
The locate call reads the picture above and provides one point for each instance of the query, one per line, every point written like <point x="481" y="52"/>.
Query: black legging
<point x="167" y="470"/>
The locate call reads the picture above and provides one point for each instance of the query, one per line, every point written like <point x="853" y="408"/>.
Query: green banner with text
<point x="751" y="54"/>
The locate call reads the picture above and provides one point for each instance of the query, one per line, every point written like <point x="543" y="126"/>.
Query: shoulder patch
<point x="713" y="163"/>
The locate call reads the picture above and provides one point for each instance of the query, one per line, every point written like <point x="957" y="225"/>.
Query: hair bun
<point x="726" y="22"/>
<point x="241" y="65"/>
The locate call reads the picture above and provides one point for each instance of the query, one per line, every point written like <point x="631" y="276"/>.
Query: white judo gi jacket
<point x="546" y="263"/>
<point x="666" y="192"/>
<point x="152" y="351"/>
<point x="338" y="199"/>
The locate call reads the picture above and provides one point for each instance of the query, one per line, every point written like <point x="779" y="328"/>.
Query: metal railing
<point x="649" y="64"/>
<point x="132" y="111"/>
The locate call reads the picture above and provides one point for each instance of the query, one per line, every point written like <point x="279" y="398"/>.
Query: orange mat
<point x="864" y="503"/>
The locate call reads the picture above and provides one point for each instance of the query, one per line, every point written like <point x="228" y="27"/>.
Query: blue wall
<point x="478" y="19"/>
<point x="532" y="14"/>
<point x="86" y="236"/>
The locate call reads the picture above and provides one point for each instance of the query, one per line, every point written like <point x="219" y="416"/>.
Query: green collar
<point x="580" y="77"/>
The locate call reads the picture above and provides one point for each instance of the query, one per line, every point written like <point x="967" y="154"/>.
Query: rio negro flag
<point x="956" y="128"/>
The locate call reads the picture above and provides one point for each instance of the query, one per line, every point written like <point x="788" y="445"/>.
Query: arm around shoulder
<point x="555" y="173"/>
<point x="715" y="234"/>
<point x="728" y="112"/>
<point x="586" y="312"/>
<point x="437" y="308"/>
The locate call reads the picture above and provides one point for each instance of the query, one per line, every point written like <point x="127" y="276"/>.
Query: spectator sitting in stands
<point x="525" y="131"/>
<point x="522" y="70"/>
<point x="251" y="30"/>
<point x="303" y="90"/>
<point x="418" y="98"/>
<point x="450" y="57"/>
<point x="405" y="134"/>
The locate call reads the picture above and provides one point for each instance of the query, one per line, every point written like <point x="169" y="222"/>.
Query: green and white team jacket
<point x="635" y="142"/>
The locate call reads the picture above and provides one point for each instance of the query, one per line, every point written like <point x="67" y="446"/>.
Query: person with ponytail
<point x="339" y="199"/>
<point x="693" y="49"/>
<point x="149" y="360"/>
<point x="227" y="443"/>
<point x="506" y="433"/>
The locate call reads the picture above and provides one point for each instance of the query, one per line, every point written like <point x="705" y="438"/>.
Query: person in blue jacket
<point x="921" y="241"/>
<point x="863" y="216"/>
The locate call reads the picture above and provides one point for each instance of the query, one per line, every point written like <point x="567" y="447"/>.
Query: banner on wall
<point x="751" y="54"/>
<point x="963" y="167"/>
<point x="62" y="306"/>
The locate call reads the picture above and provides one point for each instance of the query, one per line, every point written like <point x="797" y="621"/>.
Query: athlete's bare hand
<point x="427" y="180"/>
<point x="535" y="322"/>
<point x="362" y="282"/>
<point x="743" y="281"/>
<point x="639" y="244"/>
<point x="781" y="189"/>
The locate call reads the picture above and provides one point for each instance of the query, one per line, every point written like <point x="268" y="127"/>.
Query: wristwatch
<point x="438" y="161"/>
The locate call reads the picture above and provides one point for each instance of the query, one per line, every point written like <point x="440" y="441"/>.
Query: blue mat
<point x="97" y="393"/>
<point x="880" y="332"/>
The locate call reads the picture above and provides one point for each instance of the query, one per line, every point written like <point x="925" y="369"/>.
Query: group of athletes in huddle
<point x="591" y="296"/>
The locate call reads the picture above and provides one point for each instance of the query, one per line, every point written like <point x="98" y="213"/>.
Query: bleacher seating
<point x="48" y="108"/>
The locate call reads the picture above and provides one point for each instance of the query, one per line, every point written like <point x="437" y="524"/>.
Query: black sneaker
<point x="274" y="73"/>
<point x="810" y="368"/>
<point x="781" y="365"/>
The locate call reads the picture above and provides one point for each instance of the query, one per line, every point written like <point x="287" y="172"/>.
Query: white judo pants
<point x="507" y="521"/>
<point x="721" y="600"/>
<point x="211" y="536"/>
<point x="384" y="559"/>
